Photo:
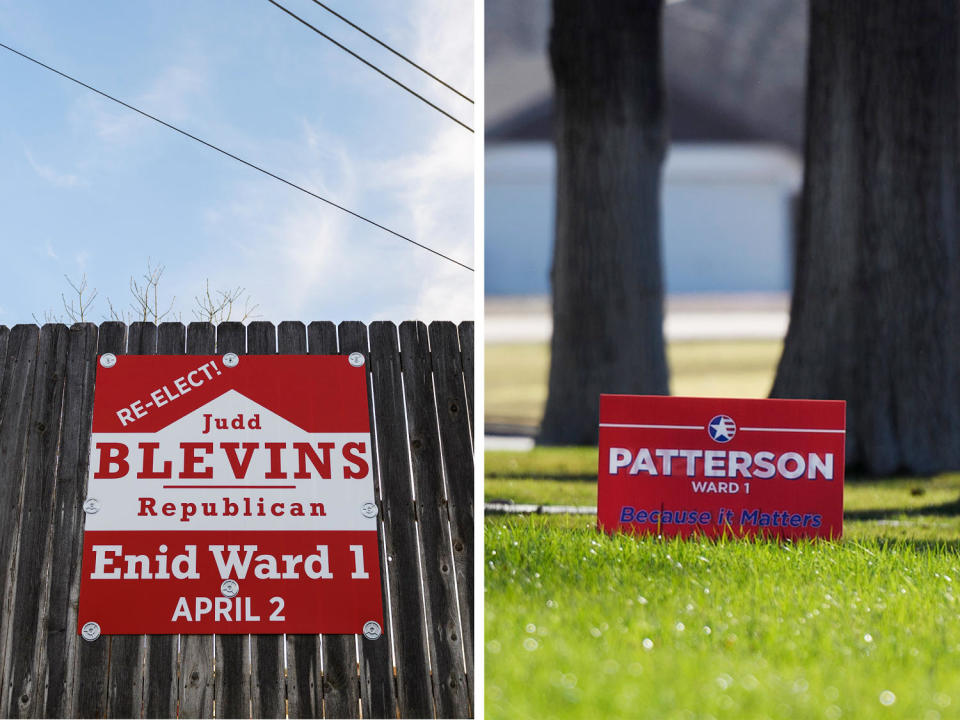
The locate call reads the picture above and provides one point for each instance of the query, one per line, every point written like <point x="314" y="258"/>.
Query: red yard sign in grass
<point x="679" y="466"/>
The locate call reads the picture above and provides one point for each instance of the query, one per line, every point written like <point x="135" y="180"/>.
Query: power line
<point x="235" y="157"/>
<point x="395" y="52"/>
<point x="368" y="63"/>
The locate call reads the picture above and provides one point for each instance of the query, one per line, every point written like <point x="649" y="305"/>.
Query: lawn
<point x="579" y="624"/>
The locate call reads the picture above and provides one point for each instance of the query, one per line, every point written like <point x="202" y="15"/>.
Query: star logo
<point x="722" y="429"/>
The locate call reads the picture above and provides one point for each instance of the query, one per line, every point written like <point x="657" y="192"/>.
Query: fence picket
<point x="4" y="339"/>
<point x="267" y="676"/>
<point x="232" y="683"/>
<point x="125" y="681"/>
<point x="304" y="657"/>
<point x="399" y="518"/>
<point x="160" y="682"/>
<point x="196" y="651"/>
<point x="93" y="658"/>
<point x="457" y="452"/>
<point x="27" y="616"/>
<point x="62" y="642"/>
<point x="465" y="330"/>
<point x="446" y="643"/>
<point x="15" y="406"/>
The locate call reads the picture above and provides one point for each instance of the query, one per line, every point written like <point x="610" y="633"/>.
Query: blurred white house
<point x="735" y="76"/>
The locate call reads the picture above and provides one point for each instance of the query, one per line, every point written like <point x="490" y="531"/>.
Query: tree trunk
<point x="876" y="307"/>
<point x="606" y="277"/>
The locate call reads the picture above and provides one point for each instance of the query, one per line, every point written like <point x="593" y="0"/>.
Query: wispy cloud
<point x="300" y="258"/>
<point x="51" y="174"/>
<point x="313" y="261"/>
<point x="171" y="96"/>
<point x="444" y="42"/>
<point x="435" y="188"/>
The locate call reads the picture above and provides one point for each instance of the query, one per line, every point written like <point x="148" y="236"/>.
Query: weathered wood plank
<point x="304" y="679"/>
<point x="465" y="330"/>
<point x="322" y="338"/>
<point x="231" y="337"/>
<point x="304" y="674"/>
<point x="399" y="528"/>
<point x="261" y="338"/>
<point x="15" y="405"/>
<point x="93" y="658"/>
<point x="268" y="686"/>
<point x="142" y="339"/>
<point x="303" y="657"/>
<point x="127" y="652"/>
<point x="196" y="651"/>
<point x="125" y="679"/>
<point x="62" y="641"/>
<point x="446" y="643"/>
<point x="232" y="686"/>
<point x="341" y="687"/>
<point x="160" y="682"/>
<point x="27" y="616"/>
<point x="458" y="460"/>
<point x="292" y="338"/>
<point x="171" y="338"/>
<point x="375" y="666"/>
<point x="4" y="338"/>
<point x="201" y="338"/>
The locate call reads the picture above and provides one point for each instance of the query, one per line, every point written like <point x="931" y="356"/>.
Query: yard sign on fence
<point x="230" y="495"/>
<point x="419" y="381"/>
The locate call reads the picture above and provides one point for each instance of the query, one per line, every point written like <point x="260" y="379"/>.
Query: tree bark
<point x="606" y="277"/>
<point x="875" y="318"/>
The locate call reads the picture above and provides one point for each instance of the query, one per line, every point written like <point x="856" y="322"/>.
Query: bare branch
<point x="218" y="306"/>
<point x="146" y="296"/>
<point x="49" y="316"/>
<point x="211" y="305"/>
<point x="78" y="312"/>
<point x="115" y="314"/>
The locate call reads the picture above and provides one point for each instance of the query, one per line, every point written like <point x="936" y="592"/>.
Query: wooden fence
<point x="421" y="398"/>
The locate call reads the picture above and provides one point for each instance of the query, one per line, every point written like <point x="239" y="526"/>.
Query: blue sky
<point x="87" y="186"/>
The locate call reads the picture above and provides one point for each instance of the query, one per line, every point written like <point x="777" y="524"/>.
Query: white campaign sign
<point x="266" y="474"/>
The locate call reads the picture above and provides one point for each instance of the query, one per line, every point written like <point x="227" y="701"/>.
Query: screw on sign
<point x="371" y="630"/>
<point x="679" y="466"/>
<point x="224" y="495"/>
<point x="90" y="631"/>
<point x="229" y="588"/>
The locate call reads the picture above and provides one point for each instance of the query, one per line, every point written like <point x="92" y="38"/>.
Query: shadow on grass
<point x="562" y="477"/>
<point x="922" y="546"/>
<point x="942" y="509"/>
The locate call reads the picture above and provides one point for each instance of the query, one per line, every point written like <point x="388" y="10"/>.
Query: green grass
<point x="904" y="507"/>
<point x="580" y="624"/>
<point x="515" y="377"/>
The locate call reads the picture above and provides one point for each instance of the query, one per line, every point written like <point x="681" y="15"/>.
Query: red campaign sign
<point x="230" y="494"/>
<point x="679" y="465"/>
